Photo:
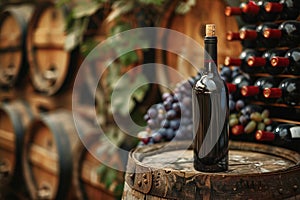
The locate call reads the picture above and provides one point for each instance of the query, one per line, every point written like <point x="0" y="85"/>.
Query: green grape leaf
<point x="113" y="75"/>
<point x="140" y="92"/>
<point x="101" y="170"/>
<point x="110" y="177"/>
<point x="185" y="7"/>
<point x="129" y="58"/>
<point x="119" y="27"/>
<point x="101" y="1"/>
<point x="87" y="46"/>
<point x="75" y="36"/>
<point x="71" y="41"/>
<point x="124" y="102"/>
<point x="60" y="3"/>
<point x="119" y="189"/>
<point x="85" y="9"/>
<point x="120" y="8"/>
<point x="154" y="2"/>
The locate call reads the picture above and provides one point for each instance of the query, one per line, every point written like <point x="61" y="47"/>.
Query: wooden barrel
<point x="47" y="156"/>
<point x="51" y="66"/>
<point x="7" y="95"/>
<point x="14" y="119"/>
<point x="13" y="28"/>
<point x="88" y="181"/>
<point x="191" y="24"/>
<point x="256" y="171"/>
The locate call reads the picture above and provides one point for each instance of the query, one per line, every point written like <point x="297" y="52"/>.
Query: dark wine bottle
<point x="287" y="34"/>
<point x="287" y="9"/>
<point x="291" y="61"/>
<point x="284" y="135"/>
<point x="257" y="35"/>
<point x="238" y="11"/>
<point x="236" y="85"/>
<point x="259" y="10"/>
<point x="242" y="61"/>
<point x="210" y="113"/>
<point x="235" y="36"/>
<point x="252" y="12"/>
<point x="260" y="84"/>
<point x="288" y="92"/>
<point x="265" y="61"/>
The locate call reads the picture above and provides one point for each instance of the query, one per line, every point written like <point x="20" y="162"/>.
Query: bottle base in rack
<point x="220" y="166"/>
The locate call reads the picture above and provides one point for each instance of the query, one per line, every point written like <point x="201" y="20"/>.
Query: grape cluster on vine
<point x="172" y="118"/>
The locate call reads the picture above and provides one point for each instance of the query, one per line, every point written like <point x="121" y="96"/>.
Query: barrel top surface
<point x="255" y="171"/>
<point x="239" y="161"/>
<point x="244" y="158"/>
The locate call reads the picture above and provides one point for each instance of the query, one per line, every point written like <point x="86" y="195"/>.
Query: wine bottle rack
<point x="279" y="112"/>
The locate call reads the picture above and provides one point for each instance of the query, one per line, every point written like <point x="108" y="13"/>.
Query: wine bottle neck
<point x="247" y="91"/>
<point x="272" y="33"/>
<point x="272" y="92"/>
<point x="210" y="61"/>
<point x="251" y="8"/>
<point x="256" y="61"/>
<point x="230" y="11"/>
<point x="229" y="61"/>
<point x="280" y="61"/>
<point x="231" y="36"/>
<point x="274" y="7"/>
<point x="248" y="34"/>
<point x="264" y="135"/>
<point x="237" y="129"/>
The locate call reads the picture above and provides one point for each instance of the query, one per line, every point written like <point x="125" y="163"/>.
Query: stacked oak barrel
<point x="41" y="155"/>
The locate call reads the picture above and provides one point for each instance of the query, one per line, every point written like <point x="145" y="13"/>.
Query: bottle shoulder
<point x="210" y="83"/>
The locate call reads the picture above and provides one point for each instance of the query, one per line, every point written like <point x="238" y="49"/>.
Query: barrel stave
<point x="47" y="155"/>
<point x="14" y="119"/>
<point x="13" y="30"/>
<point x="255" y="170"/>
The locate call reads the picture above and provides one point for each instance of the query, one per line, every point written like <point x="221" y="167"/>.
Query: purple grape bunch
<point x="172" y="118"/>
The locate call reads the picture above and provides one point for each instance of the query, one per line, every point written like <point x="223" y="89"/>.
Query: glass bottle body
<point x="210" y="114"/>
<point x="211" y="131"/>
<point x="288" y="92"/>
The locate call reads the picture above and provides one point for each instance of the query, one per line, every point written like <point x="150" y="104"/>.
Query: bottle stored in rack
<point x="237" y="83"/>
<point x="286" y="9"/>
<point x="238" y="11"/>
<point x="285" y="135"/>
<point x="235" y="36"/>
<point x="253" y="12"/>
<point x="256" y="90"/>
<point x="259" y="10"/>
<point x="291" y="61"/>
<point x="265" y="61"/>
<point x="257" y="35"/>
<point x="287" y="34"/>
<point x="288" y="92"/>
<point x="242" y="61"/>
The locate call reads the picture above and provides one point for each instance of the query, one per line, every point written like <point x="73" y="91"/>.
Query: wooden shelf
<point x="286" y="121"/>
<point x="274" y="104"/>
<point x="279" y="75"/>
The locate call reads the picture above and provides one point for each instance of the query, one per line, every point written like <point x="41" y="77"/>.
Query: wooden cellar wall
<point x="42" y="100"/>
